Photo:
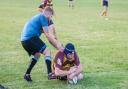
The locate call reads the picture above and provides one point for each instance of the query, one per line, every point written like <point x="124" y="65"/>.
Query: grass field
<point x="102" y="44"/>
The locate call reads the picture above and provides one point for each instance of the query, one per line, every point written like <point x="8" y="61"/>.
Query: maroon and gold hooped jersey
<point x="46" y="3"/>
<point x="63" y="63"/>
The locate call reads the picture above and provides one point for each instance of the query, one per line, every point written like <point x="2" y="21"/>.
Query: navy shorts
<point x="34" y="45"/>
<point x="105" y="3"/>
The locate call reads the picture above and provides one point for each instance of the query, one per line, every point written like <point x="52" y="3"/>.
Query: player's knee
<point x="47" y="52"/>
<point x="70" y="77"/>
<point x="80" y="76"/>
<point x="37" y="56"/>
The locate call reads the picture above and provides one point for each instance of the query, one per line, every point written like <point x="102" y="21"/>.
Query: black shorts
<point x="50" y="22"/>
<point x="105" y="3"/>
<point x="34" y="45"/>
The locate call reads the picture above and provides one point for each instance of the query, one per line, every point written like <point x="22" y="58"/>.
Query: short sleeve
<point x="58" y="60"/>
<point x="44" y="21"/>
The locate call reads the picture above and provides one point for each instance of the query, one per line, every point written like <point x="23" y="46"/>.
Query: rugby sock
<point x="31" y="65"/>
<point x="103" y="13"/>
<point x="48" y="64"/>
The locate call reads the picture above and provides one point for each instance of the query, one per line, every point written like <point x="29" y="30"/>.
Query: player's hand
<point x="73" y="68"/>
<point x="72" y="71"/>
<point x="61" y="49"/>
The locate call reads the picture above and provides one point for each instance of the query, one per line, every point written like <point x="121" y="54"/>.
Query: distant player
<point x="105" y="7"/>
<point x="45" y="3"/>
<point x="67" y="65"/>
<point x="71" y="3"/>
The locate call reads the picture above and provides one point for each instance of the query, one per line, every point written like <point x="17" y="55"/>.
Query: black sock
<point x="48" y="63"/>
<point x="31" y="65"/>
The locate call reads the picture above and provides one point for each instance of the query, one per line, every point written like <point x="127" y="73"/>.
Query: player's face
<point x="48" y="15"/>
<point x="70" y="55"/>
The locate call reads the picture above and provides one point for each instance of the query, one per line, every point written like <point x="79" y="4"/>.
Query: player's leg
<point x="48" y="62"/>
<point x="69" y="3"/>
<point x="73" y="3"/>
<point x="32" y="63"/>
<point x="103" y="11"/>
<point x="47" y="54"/>
<point x="105" y="8"/>
<point x="106" y="11"/>
<point x="80" y="76"/>
<point x="33" y="46"/>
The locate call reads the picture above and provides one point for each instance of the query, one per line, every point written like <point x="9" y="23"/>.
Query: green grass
<point x="102" y="45"/>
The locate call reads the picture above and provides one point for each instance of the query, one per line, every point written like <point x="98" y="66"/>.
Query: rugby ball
<point x="73" y="81"/>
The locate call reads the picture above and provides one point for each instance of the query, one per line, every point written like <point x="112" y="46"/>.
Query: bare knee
<point x="80" y="76"/>
<point x="47" y="52"/>
<point x="71" y="76"/>
<point x="37" y="55"/>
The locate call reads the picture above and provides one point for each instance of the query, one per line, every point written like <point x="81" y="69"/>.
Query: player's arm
<point x="59" y="72"/>
<point x="79" y="69"/>
<point x="53" y="31"/>
<point x="76" y="69"/>
<point x="51" y="39"/>
<point x="77" y="63"/>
